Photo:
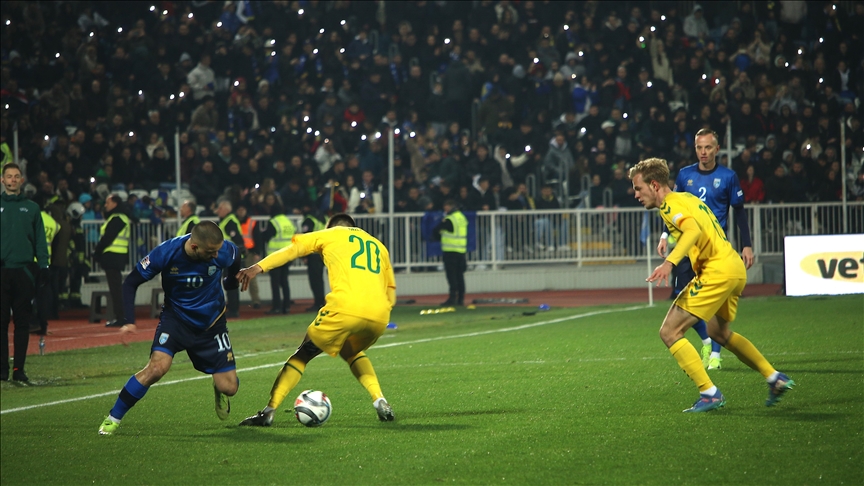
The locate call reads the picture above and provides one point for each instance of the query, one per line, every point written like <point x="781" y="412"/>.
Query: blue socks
<point x="129" y="396"/>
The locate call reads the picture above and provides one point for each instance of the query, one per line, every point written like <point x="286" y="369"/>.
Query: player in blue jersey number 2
<point x="718" y="187"/>
<point x="192" y="319"/>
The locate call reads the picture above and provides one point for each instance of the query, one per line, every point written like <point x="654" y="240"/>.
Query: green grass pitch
<point x="490" y="396"/>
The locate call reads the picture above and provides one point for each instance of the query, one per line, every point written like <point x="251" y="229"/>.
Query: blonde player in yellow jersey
<point x="711" y="296"/>
<point x="363" y="291"/>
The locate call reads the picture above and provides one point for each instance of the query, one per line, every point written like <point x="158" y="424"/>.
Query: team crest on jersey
<point x="175" y="270"/>
<point x="689" y="182"/>
<point x="163" y="338"/>
<point x="145" y="262"/>
<point x="211" y="270"/>
<point x="716" y="183"/>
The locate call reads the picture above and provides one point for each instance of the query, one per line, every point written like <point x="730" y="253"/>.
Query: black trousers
<point x="114" y="264"/>
<point x="279" y="287"/>
<point x="16" y="296"/>
<point x="455" y="266"/>
<point x="315" y="270"/>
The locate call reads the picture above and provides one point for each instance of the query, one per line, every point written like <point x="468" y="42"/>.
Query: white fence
<point x="580" y="236"/>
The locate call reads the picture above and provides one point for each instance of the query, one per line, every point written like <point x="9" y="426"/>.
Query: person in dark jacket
<point x="112" y="252"/>
<point x="22" y="241"/>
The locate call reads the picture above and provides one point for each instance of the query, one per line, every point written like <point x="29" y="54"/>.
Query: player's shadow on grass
<point x="400" y="426"/>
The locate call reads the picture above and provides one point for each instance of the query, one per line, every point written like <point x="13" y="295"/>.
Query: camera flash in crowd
<point x="189" y="16"/>
<point x="507" y="156"/>
<point x="46" y="136"/>
<point x="171" y="97"/>
<point x="152" y="8"/>
<point x="301" y="12"/>
<point x="309" y="130"/>
<point x="8" y="22"/>
<point x="306" y="118"/>
<point x="314" y="51"/>
<point x="446" y="41"/>
<point x="536" y="61"/>
<point x="786" y="64"/>
<point x="119" y="30"/>
<point x="131" y="134"/>
<point x="581" y="53"/>
<point x="363" y="137"/>
<point x="342" y="51"/>
<point x="272" y="42"/>
<point x="566" y="27"/>
<point x="808" y="146"/>
<point x="625" y="115"/>
<point x="396" y="132"/>
<point x="800" y="51"/>
<point x="353" y="124"/>
<point x="272" y="53"/>
<point x="704" y="76"/>
<point x="321" y="31"/>
<point x="663" y="18"/>
<point x="236" y="83"/>
<point x="57" y="56"/>
<point x="821" y="80"/>
<point x="317" y="133"/>
<point x="527" y="148"/>
<point x="219" y="24"/>
<point x="641" y="38"/>
<point x="272" y="129"/>
<point x="412" y="134"/>
<point x="182" y="94"/>
<point x="377" y="134"/>
<point x="164" y="12"/>
<point x="583" y="130"/>
<point x="92" y="34"/>
<point x="257" y="186"/>
<point x="653" y="28"/>
<point x="649" y="84"/>
<point x="92" y="180"/>
<point x="342" y="22"/>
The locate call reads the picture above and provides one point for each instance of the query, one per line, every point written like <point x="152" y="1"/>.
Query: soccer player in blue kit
<point x="192" y="319"/>
<point x="718" y="188"/>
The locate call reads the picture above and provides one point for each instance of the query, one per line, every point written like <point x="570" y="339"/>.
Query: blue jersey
<point x="718" y="189"/>
<point x="193" y="289"/>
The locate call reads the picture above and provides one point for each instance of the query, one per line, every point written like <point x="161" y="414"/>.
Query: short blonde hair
<point x="652" y="169"/>
<point x="705" y="132"/>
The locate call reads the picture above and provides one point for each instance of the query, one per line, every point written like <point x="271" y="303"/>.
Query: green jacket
<point x="22" y="234"/>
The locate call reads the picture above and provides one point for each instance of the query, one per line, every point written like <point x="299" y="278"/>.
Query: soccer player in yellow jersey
<point x="357" y="309"/>
<point x="711" y="296"/>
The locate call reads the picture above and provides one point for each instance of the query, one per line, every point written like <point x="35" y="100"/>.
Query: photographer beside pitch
<point x="363" y="292"/>
<point x="711" y="296"/>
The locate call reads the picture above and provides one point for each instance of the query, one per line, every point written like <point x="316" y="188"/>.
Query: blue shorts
<point x="210" y="349"/>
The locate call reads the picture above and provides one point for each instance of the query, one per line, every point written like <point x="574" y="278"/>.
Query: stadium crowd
<point x="288" y="103"/>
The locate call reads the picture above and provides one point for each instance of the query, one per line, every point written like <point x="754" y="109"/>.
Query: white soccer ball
<point x="312" y="408"/>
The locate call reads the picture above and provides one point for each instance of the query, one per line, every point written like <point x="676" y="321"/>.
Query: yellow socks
<point x="748" y="354"/>
<point x="365" y="374"/>
<point x="689" y="361"/>
<point x="288" y="378"/>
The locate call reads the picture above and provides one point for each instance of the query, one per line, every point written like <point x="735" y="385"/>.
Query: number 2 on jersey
<point x="366" y="247"/>
<point x="702" y="193"/>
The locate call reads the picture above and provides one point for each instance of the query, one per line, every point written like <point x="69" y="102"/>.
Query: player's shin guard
<point x="365" y="374"/>
<point x="748" y="354"/>
<point x="288" y="378"/>
<point x="688" y="359"/>
<point x="129" y="396"/>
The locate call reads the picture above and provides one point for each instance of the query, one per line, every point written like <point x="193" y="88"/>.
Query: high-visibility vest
<point x="284" y="231"/>
<point x="184" y="227"/>
<point x="317" y="224"/>
<point x="247" y="228"/>
<point x="121" y="242"/>
<point x="52" y="227"/>
<point x="224" y="224"/>
<point x="457" y="240"/>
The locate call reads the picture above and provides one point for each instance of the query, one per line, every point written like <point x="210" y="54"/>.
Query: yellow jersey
<point x="361" y="278"/>
<point x="711" y="253"/>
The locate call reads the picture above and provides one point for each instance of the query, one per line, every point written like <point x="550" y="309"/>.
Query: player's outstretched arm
<point x="244" y="276"/>
<point x="661" y="273"/>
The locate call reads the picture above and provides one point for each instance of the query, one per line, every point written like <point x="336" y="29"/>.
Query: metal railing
<point x="573" y="236"/>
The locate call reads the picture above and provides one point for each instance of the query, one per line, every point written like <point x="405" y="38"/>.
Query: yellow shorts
<point x="330" y="330"/>
<point x="706" y="296"/>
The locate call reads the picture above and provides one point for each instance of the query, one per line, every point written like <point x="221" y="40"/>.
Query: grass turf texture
<point x="481" y="397"/>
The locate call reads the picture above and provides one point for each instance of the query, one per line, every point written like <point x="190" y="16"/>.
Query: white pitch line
<point x="390" y="345"/>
